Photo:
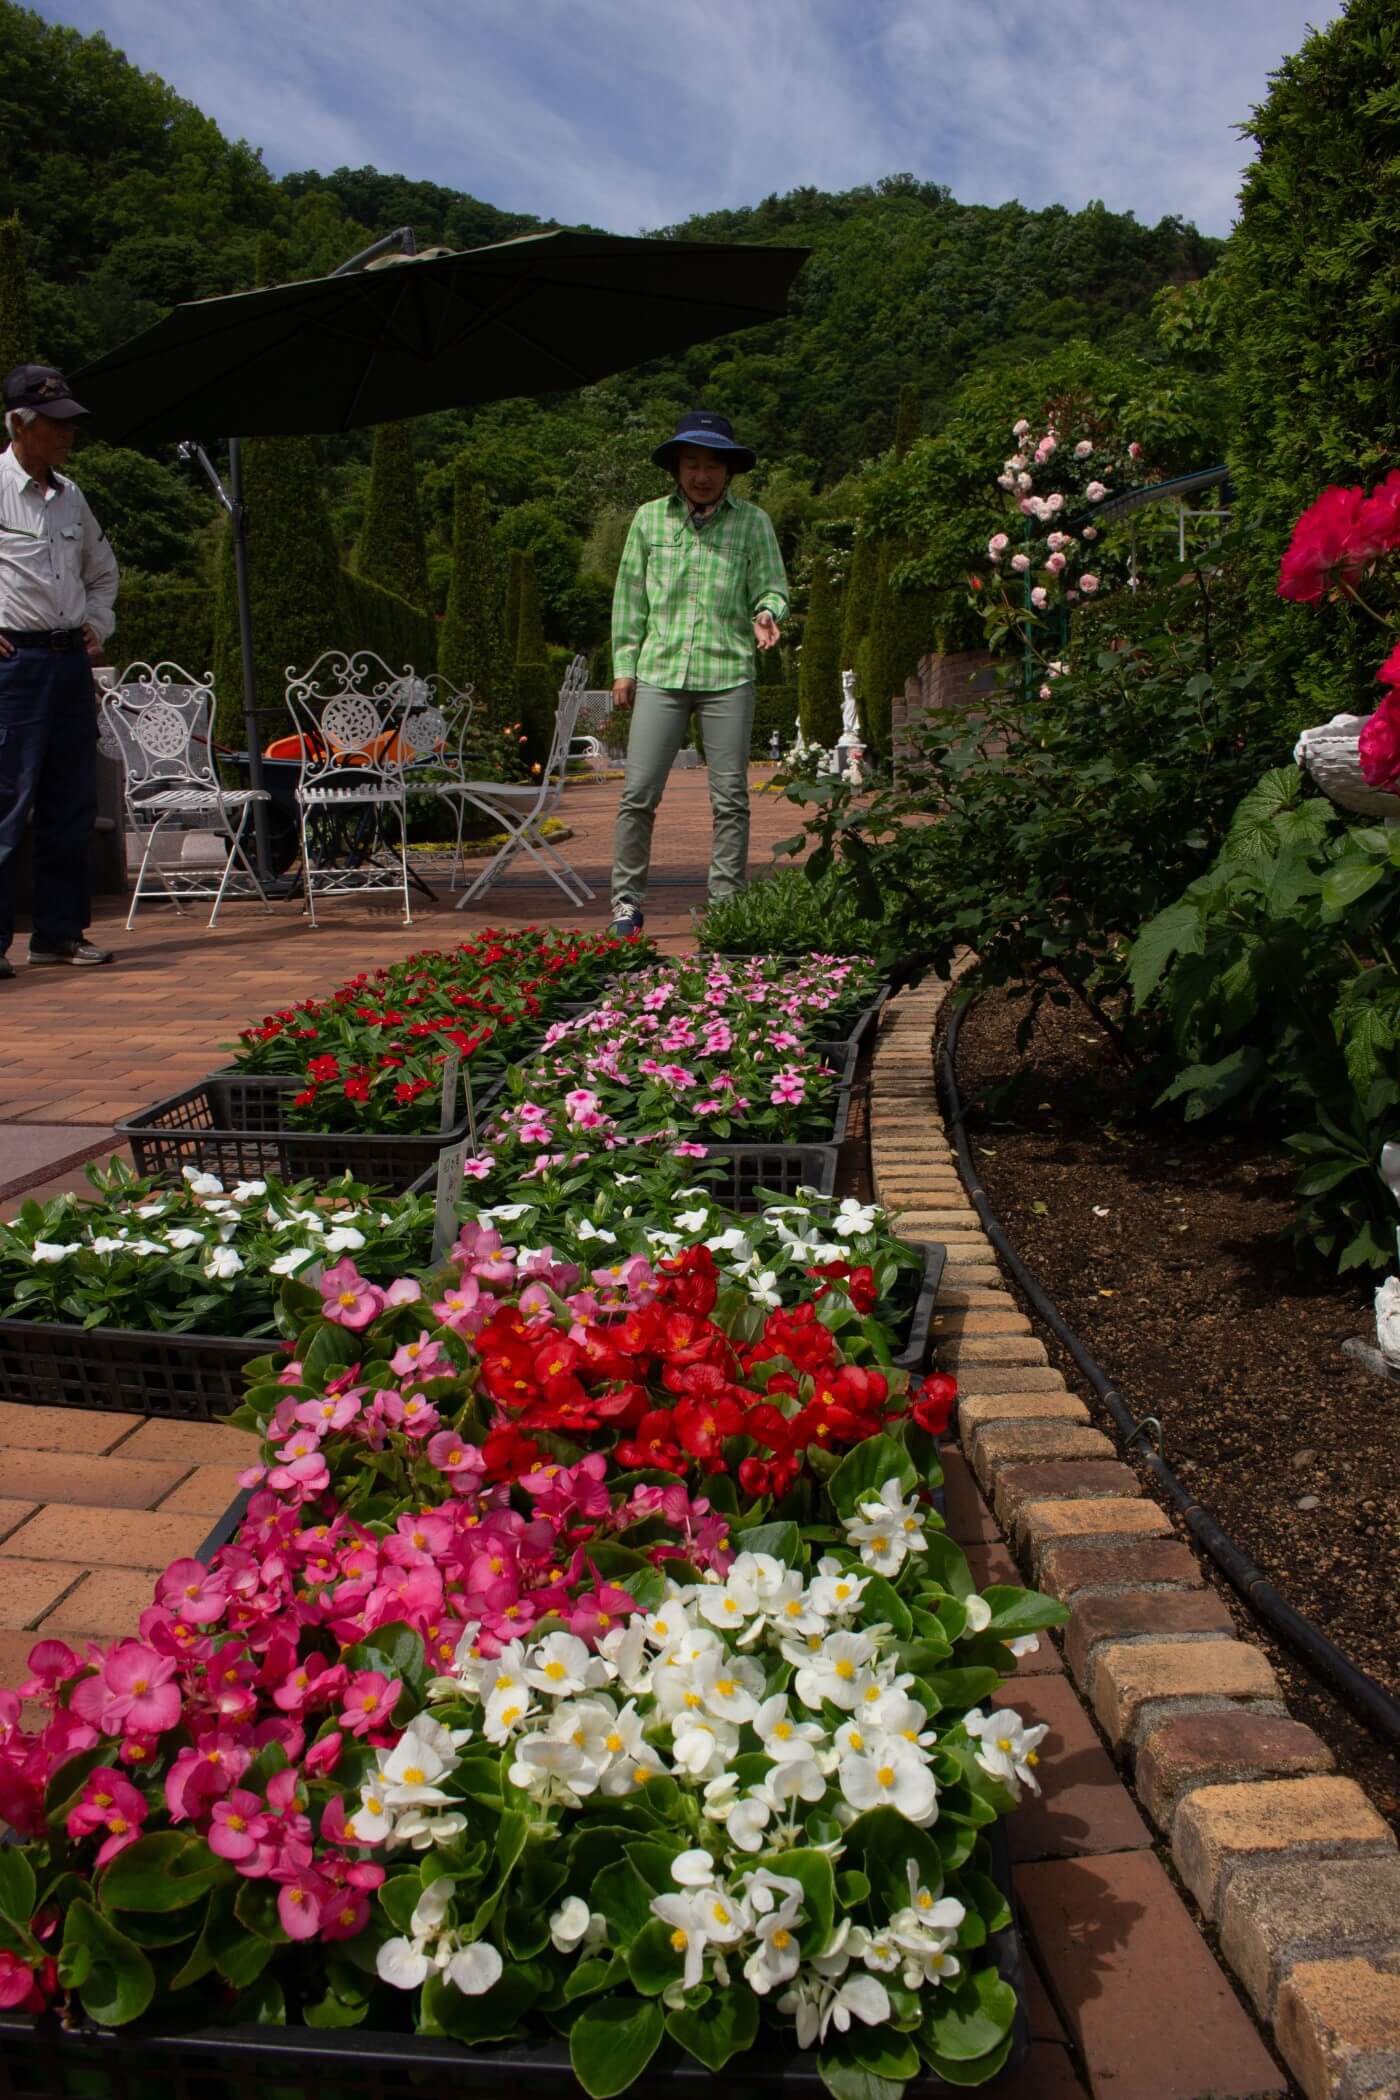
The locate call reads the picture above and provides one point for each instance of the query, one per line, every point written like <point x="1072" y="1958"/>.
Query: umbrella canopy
<point x="530" y="316"/>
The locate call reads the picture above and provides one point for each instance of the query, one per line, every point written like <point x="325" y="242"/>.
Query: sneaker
<point x="81" y="952"/>
<point x="627" y="921"/>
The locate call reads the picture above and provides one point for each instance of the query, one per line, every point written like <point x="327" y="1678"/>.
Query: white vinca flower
<point x="53" y="1250"/>
<point x="852" y="1217"/>
<point x="1006" y="1747"/>
<point x="247" y="1190"/>
<point x="344" y="1239"/>
<point x="288" y="1264"/>
<point x="183" y="1237"/>
<point x="223" y="1263"/>
<point x="202" y="1184"/>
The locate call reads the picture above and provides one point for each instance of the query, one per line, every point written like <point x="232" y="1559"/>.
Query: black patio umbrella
<point x="536" y="315"/>
<point x="530" y="316"/>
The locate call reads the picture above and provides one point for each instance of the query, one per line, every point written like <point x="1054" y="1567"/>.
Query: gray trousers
<point x="660" y="724"/>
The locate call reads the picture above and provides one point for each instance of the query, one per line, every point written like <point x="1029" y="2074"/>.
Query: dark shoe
<point x="627" y="921"/>
<point x="7" y="968"/>
<point x="81" y="952"/>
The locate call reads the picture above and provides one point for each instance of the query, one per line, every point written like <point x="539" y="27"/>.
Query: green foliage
<point x="472" y="646"/>
<point x="902" y="630"/>
<point x="1046" y="855"/>
<point x="858" y="603"/>
<point x="160" y="619"/>
<point x="16" y="322"/>
<point x="1275" y="978"/>
<point x="1311" y="315"/>
<point x="153" y="516"/>
<point x="775" y="707"/>
<point x="374" y="618"/>
<point x="294" y="577"/>
<point x="391" y="551"/>
<point x="906" y="422"/>
<point x="819" y="667"/>
<point x="537" y="529"/>
<point x="785" y="914"/>
<point x="536" y="686"/>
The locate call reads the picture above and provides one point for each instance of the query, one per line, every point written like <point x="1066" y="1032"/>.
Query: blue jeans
<point x="48" y="774"/>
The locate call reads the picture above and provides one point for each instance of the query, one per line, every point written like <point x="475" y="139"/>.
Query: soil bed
<point x="1160" y="1244"/>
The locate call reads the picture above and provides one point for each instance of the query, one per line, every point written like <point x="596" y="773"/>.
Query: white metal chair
<point x="349" y="711"/>
<point x="524" y="810"/>
<point x="436" y="725"/>
<point x="157" y="720"/>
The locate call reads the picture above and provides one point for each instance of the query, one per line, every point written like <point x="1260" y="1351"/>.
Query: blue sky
<point x="631" y="114"/>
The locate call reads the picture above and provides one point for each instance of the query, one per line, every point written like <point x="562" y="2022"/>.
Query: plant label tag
<point x="449" y="1188"/>
<point x="452" y="1065"/>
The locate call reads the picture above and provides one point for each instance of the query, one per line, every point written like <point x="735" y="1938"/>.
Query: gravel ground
<point x="1159" y="1243"/>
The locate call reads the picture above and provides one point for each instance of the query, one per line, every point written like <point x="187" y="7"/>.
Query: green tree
<point x="906" y="422"/>
<point x="858" y="602"/>
<point x="819" y="667"/>
<point x="1312" y="320"/>
<point x="293" y="579"/>
<point x="390" y="549"/>
<point x="472" y="645"/>
<point x="515" y="584"/>
<point x="536" y="688"/>
<point x="153" y="516"/>
<point x="16" y="323"/>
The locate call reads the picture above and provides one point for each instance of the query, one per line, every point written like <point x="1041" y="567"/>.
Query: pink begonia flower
<point x="420" y="1359"/>
<point x="407" y="1291"/>
<point x="133" y="1690"/>
<point x="1038" y="598"/>
<point x="192" y="1592"/>
<point x="370" y="1699"/>
<point x="303" y="1442"/>
<point x="239" y="1826"/>
<point x="460" y="1462"/>
<point x="1388" y="674"/>
<point x="428" y="1534"/>
<point x="50" y="1663"/>
<point x="304" y="1477"/>
<point x="1096" y="492"/>
<point x="203" y="1772"/>
<point x="329" y="1411"/>
<point x="347" y="1298"/>
<point x="16" y="1982"/>
<point x="322" y="1758"/>
<point x="1088" y="583"/>
<point x="299" y="1904"/>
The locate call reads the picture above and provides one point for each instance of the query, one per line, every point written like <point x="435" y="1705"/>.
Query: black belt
<point x="58" y="638"/>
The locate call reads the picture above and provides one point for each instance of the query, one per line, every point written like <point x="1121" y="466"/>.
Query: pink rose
<point x="1088" y="583"/>
<point x="1038" y="598"/>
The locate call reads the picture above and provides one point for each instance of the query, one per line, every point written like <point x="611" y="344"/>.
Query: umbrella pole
<point x="238" y="520"/>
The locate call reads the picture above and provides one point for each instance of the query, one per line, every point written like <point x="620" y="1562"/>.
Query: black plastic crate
<point x="40" y="2061"/>
<point x="918" y="1337"/>
<point x="172" y="1377"/>
<point x="230" y="1125"/>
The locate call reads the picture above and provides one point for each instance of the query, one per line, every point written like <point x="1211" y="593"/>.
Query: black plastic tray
<point x="918" y="1341"/>
<point x="229" y="1124"/>
<point x="40" y="2061"/>
<point x="173" y="1377"/>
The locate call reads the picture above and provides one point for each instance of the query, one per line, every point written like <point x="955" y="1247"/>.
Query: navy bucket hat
<point x="700" y="426"/>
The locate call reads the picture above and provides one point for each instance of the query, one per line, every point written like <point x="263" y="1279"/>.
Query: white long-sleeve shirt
<point x="56" y="568"/>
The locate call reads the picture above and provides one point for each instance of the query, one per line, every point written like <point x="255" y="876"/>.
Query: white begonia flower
<point x="427" y="1829"/>
<point x="776" y="1959"/>
<point x="876" y="1949"/>
<point x="569" y="1923"/>
<point x="730" y="1685"/>
<point x="223" y="1263"/>
<point x="702" y="1745"/>
<point x="820" y="2006"/>
<point x="182" y="1237"/>
<point x="1006" y="1747"/>
<point x="744" y="1818"/>
<point x="895" y="1776"/>
<point x="694" y="1869"/>
<point x="979" y="1612"/>
<point x="691" y="1220"/>
<point x="686" y="1916"/>
<point x="53" y="1250"/>
<point x="476" y="1969"/>
<point x="344" y="1239"/>
<point x="887" y="1530"/>
<point x="623" y="1649"/>
<point x="247" y="1190"/>
<point x="202" y="1184"/>
<point x="297" y="1258"/>
<point x="562" y="1666"/>
<point x="1025" y="1644"/>
<point x="935" y="1913"/>
<point x="372" y="1823"/>
<point x="782" y="1738"/>
<point x="837" y="1591"/>
<point x="549" y="1768"/>
<point x="838" y="1671"/>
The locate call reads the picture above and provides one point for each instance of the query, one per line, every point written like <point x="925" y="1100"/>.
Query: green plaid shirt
<point x="687" y="596"/>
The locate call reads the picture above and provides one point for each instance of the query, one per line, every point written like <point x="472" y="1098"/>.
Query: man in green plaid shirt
<point x="700" y="583"/>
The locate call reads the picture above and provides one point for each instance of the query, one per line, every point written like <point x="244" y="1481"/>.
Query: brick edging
<point x="1289" y="1861"/>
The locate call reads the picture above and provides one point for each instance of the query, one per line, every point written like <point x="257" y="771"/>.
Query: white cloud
<point x="635" y="113"/>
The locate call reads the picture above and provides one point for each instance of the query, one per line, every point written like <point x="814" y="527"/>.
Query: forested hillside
<point x="126" y="199"/>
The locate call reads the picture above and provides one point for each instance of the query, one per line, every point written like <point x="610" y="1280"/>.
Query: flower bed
<point x="603" y="1678"/>
<point x="369" y="1056"/>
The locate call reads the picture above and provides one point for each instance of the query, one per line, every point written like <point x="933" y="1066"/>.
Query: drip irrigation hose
<point x="1368" y="1699"/>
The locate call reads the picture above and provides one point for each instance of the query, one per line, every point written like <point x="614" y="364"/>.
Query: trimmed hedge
<point x="380" y="620"/>
<point x="161" y="620"/>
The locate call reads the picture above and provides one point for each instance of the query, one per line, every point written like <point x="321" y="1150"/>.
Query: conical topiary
<point x="473" y="645"/>
<point x="536" y="691"/>
<point x="819" y="668"/>
<point x="857" y="611"/>
<point x="16" y="327"/>
<point x="390" y="549"/>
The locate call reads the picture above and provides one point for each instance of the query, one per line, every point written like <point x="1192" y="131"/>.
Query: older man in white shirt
<point x="58" y="584"/>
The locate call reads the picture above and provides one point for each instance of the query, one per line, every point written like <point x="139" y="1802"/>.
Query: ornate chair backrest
<point x="572" y="694"/>
<point x="437" y="718"/>
<point x="158" y="718"/>
<point x="348" y="711"/>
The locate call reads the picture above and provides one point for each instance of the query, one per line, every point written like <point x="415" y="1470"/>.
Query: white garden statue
<point x="1329" y="754"/>
<point x="850" y="717"/>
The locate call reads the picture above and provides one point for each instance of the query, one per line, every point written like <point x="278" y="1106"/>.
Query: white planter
<point x="1329" y="754"/>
